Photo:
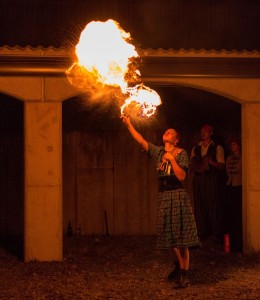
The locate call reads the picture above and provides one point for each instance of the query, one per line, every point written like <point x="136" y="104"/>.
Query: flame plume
<point x="106" y="58"/>
<point x="143" y="99"/>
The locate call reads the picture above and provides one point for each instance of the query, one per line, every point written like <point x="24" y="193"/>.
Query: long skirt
<point x="208" y="189"/>
<point x="176" y="225"/>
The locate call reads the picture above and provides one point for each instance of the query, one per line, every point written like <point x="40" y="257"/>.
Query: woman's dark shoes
<point x="181" y="281"/>
<point x="173" y="275"/>
<point x="175" y="272"/>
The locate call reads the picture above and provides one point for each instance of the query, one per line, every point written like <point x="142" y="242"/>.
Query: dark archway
<point x="188" y="109"/>
<point x="11" y="174"/>
<point x="93" y="135"/>
<point x="89" y="130"/>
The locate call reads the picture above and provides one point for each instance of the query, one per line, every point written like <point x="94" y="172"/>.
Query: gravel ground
<point x="128" y="267"/>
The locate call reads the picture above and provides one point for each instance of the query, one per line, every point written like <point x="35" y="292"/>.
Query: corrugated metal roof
<point x="69" y="52"/>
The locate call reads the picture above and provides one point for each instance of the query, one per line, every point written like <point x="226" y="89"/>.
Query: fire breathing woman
<point x="176" y="228"/>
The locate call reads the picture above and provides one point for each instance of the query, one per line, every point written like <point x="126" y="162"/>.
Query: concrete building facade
<point x="37" y="77"/>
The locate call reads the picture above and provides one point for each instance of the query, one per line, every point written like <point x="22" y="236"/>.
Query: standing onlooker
<point x="208" y="164"/>
<point x="233" y="220"/>
<point x="176" y="228"/>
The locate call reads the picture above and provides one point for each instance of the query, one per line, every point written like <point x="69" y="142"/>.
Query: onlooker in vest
<point x="208" y="164"/>
<point x="233" y="220"/>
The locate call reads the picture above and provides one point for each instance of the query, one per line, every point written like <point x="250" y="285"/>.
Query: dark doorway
<point x="11" y="175"/>
<point x="98" y="149"/>
<point x="188" y="109"/>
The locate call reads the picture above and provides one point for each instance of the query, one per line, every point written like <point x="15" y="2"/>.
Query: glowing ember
<point x="105" y="58"/>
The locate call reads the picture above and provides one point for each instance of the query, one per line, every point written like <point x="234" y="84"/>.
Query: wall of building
<point x="43" y="184"/>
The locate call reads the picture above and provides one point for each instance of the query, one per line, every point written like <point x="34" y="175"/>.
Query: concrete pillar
<point x="251" y="176"/>
<point x="43" y="181"/>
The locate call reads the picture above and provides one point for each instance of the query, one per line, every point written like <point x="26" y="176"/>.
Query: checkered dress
<point x="176" y="225"/>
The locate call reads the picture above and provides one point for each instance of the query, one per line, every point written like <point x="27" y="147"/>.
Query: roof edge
<point x="149" y="52"/>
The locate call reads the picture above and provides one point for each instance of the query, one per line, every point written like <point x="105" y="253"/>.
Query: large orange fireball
<point x="106" y="58"/>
